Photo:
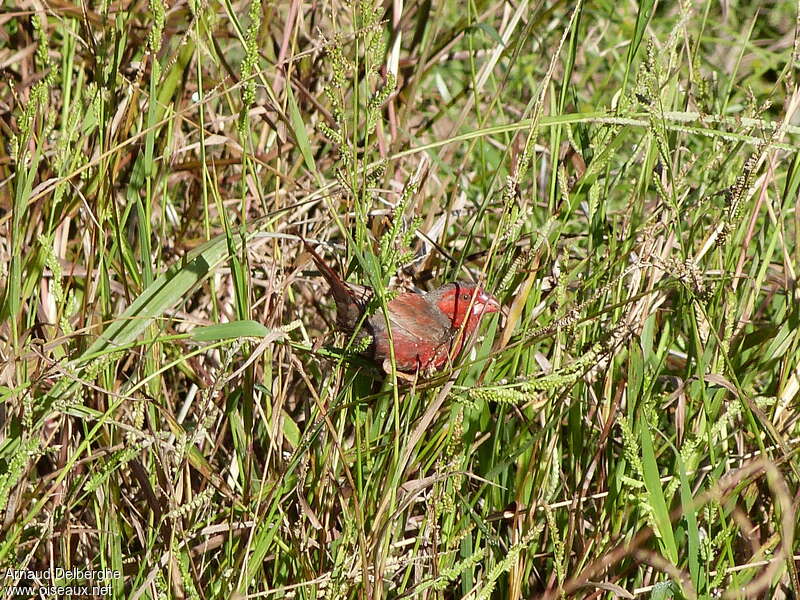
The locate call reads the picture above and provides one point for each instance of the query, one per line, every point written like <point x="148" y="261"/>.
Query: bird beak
<point x="493" y="305"/>
<point x="488" y="304"/>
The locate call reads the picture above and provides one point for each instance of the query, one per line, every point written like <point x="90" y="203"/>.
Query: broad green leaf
<point x="488" y="30"/>
<point x="656" y="494"/>
<point x="692" y="531"/>
<point x="166" y="292"/>
<point x="227" y="331"/>
<point x="299" y="130"/>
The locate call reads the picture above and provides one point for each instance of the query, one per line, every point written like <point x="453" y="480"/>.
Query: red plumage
<point x="427" y="330"/>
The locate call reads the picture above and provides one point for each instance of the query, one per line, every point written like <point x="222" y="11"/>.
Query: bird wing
<point x="413" y="315"/>
<point x="421" y="333"/>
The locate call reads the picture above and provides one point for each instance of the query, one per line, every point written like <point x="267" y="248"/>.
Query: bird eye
<point x="465" y="297"/>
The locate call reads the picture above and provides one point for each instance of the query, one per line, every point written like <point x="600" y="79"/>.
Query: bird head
<point x="464" y="302"/>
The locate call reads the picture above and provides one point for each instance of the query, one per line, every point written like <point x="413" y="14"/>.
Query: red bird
<point x="428" y="330"/>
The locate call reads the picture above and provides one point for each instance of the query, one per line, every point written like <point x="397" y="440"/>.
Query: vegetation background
<point x="623" y="176"/>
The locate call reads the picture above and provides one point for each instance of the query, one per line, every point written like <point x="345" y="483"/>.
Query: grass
<point x="177" y="417"/>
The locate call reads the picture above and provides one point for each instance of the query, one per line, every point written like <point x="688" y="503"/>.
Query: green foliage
<point x="249" y="68"/>
<point x="622" y="177"/>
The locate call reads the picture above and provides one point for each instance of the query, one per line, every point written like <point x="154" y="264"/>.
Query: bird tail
<point x="333" y="278"/>
<point x="349" y="306"/>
